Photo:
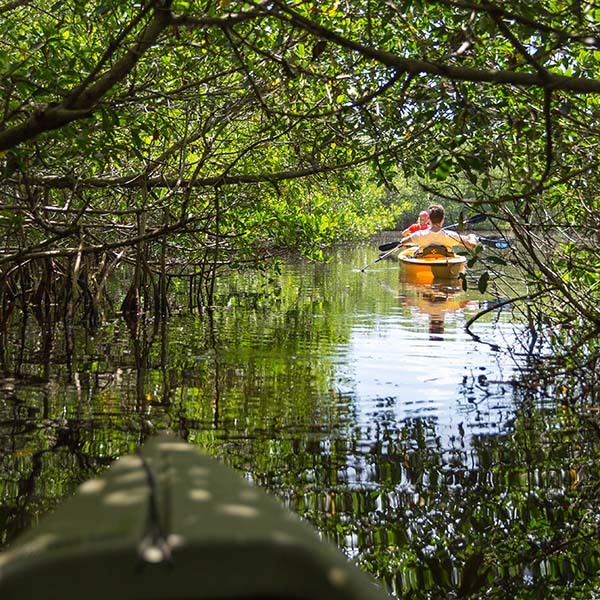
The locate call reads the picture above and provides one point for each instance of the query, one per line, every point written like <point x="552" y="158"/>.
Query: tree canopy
<point x="183" y="136"/>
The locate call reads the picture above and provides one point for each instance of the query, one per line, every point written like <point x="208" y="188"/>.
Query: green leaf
<point x="496" y="260"/>
<point x="483" y="282"/>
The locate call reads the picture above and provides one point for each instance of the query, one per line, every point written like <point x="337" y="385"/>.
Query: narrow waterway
<point x="359" y="399"/>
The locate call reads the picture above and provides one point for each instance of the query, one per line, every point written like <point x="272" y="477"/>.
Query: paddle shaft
<point x="478" y="218"/>
<point x="380" y="258"/>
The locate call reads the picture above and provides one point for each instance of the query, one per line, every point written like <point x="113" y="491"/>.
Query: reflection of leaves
<point x="473" y="575"/>
<point x="496" y="260"/>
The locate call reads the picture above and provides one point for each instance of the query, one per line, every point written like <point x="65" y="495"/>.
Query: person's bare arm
<point x="469" y="241"/>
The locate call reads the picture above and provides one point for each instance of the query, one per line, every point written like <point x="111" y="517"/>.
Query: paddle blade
<point x="478" y="218"/>
<point x="498" y="243"/>
<point x="389" y="246"/>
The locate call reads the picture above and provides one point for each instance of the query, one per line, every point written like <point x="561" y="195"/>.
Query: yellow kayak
<point x="431" y="263"/>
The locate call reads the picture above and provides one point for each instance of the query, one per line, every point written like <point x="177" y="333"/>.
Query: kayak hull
<point x="432" y="267"/>
<point x="171" y="523"/>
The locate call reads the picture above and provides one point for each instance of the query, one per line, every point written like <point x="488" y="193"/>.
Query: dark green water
<point x="357" y="398"/>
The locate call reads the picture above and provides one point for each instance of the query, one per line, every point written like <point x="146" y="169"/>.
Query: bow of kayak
<point x="172" y="522"/>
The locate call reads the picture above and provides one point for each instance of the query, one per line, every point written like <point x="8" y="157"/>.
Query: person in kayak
<point x="422" y="224"/>
<point x="435" y="235"/>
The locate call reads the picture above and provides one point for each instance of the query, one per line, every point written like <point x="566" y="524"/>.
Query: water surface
<point x="356" y="397"/>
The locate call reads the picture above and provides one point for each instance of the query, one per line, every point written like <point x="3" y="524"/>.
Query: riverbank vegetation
<point x="173" y="140"/>
<point x="184" y="138"/>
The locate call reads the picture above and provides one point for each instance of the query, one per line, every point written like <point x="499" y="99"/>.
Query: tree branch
<point x="453" y="72"/>
<point x="139" y="181"/>
<point x="82" y="103"/>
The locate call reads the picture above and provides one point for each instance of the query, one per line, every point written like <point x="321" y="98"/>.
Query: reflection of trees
<point x="72" y="399"/>
<point x="44" y="453"/>
<point x="431" y="521"/>
<point x="251" y="382"/>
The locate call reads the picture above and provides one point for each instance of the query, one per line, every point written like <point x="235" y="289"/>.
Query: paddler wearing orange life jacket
<point x="436" y="235"/>
<point x="422" y="224"/>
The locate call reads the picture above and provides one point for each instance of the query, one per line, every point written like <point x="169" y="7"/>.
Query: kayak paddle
<point x="392" y="248"/>
<point x="500" y="243"/>
<point x="478" y="218"/>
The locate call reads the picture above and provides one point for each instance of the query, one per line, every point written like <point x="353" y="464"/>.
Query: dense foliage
<point x="182" y="137"/>
<point x="193" y="134"/>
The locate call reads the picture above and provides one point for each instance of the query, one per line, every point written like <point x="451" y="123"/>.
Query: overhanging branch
<point x="82" y="105"/>
<point x="139" y="181"/>
<point x="415" y="67"/>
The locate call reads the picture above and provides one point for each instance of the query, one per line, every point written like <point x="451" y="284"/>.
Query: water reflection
<point x="438" y="301"/>
<point x="406" y="443"/>
<point x="417" y="362"/>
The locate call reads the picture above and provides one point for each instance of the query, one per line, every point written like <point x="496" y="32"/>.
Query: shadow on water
<point x="356" y="397"/>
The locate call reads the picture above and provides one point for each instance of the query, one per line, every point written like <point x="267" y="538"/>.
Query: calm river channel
<point x="355" y="397"/>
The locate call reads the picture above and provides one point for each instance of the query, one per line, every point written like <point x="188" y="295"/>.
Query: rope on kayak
<point x="154" y="547"/>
